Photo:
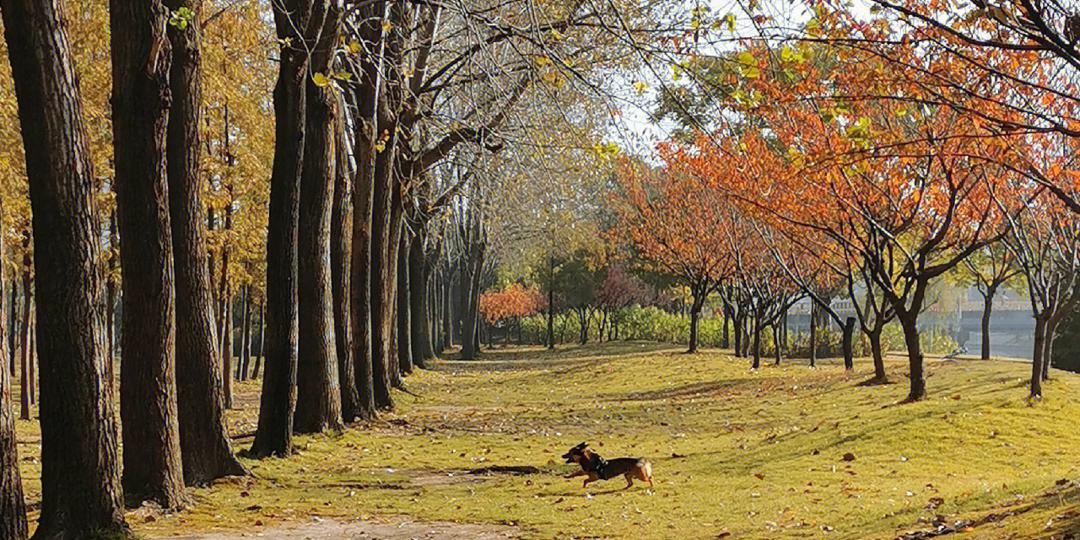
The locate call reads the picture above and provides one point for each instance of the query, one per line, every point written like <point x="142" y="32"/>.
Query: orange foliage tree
<point x="511" y="304"/>
<point x="839" y="148"/>
<point x="678" y="223"/>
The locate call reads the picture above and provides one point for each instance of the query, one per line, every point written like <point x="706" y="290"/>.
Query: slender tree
<point x="206" y="451"/>
<point x="141" y="56"/>
<point x="80" y="472"/>
<point x="340" y="272"/>
<point x="12" y="506"/>
<point x="318" y="405"/>
<point x="988" y="269"/>
<point x="298" y="23"/>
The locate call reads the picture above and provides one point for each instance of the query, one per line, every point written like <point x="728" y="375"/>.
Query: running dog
<point x="594" y="467"/>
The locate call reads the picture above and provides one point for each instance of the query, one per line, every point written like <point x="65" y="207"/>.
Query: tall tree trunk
<point x="551" y="319"/>
<point x="226" y="337"/>
<point x="874" y="335"/>
<point x="448" y="310"/>
<point x="419" y="291"/>
<point x="757" y="341"/>
<point x="1037" y="358"/>
<point x="245" y="335"/>
<point x="12" y="326"/>
<point x="339" y="278"/>
<point x="141" y="56"/>
<point x="111" y="292"/>
<point x="404" y="310"/>
<point x="813" y="334"/>
<point x="470" y="345"/>
<point x="365" y="135"/>
<point x="725" y="339"/>
<point x="695" y="316"/>
<point x="318" y="401"/>
<point x="205" y="448"/>
<point x="26" y="380"/>
<point x="262" y="334"/>
<point x="225" y="299"/>
<point x="12" y="507"/>
<point x="1048" y="346"/>
<point x="360" y="288"/>
<point x="846" y="337"/>
<point x="739" y="323"/>
<point x="778" y="341"/>
<point x="915" y="356"/>
<point x="988" y="307"/>
<point x="34" y="358"/>
<point x="382" y="297"/>
<point x="394" y="367"/>
<point x="80" y="472"/>
<point x="298" y="22"/>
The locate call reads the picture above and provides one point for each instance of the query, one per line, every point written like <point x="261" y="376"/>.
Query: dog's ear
<point x="583" y="446"/>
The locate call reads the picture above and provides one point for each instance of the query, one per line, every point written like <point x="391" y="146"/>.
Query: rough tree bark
<point x="141" y="56"/>
<point x="80" y="473"/>
<point x="739" y="323"/>
<point x="318" y="401"/>
<point x="383" y="276"/>
<point x="419" y="278"/>
<point x="386" y="211"/>
<point x="365" y="136"/>
<point x="382" y="297"/>
<point x="470" y="275"/>
<point x="915" y="356"/>
<point x="404" y="310"/>
<point x="339" y="280"/>
<point x="847" y="336"/>
<point x="390" y="284"/>
<point x="1037" y="358"/>
<point x="205" y="449"/>
<point x="298" y="24"/>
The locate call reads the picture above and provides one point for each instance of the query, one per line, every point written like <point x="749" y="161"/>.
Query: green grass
<point x="755" y="454"/>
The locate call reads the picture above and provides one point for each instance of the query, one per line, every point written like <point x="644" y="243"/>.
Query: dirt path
<point x="389" y="530"/>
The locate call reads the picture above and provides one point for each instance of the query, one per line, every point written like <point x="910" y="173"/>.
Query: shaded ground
<point x="749" y="454"/>
<point x="331" y="529"/>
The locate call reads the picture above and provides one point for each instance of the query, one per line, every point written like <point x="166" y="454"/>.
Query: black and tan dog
<point x="594" y="467"/>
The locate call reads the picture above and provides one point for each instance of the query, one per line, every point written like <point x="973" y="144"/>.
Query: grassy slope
<point x="756" y="454"/>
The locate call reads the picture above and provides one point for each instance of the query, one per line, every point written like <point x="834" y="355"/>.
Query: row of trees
<point x="844" y="162"/>
<point x="399" y="132"/>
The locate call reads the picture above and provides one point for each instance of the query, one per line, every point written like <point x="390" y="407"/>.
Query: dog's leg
<point x="629" y="481"/>
<point x="591" y="478"/>
<point x="574" y="474"/>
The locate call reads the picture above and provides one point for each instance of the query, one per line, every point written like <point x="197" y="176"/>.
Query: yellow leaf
<point x="320" y="80"/>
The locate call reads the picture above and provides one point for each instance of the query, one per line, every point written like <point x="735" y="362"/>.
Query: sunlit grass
<point x="755" y="454"/>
